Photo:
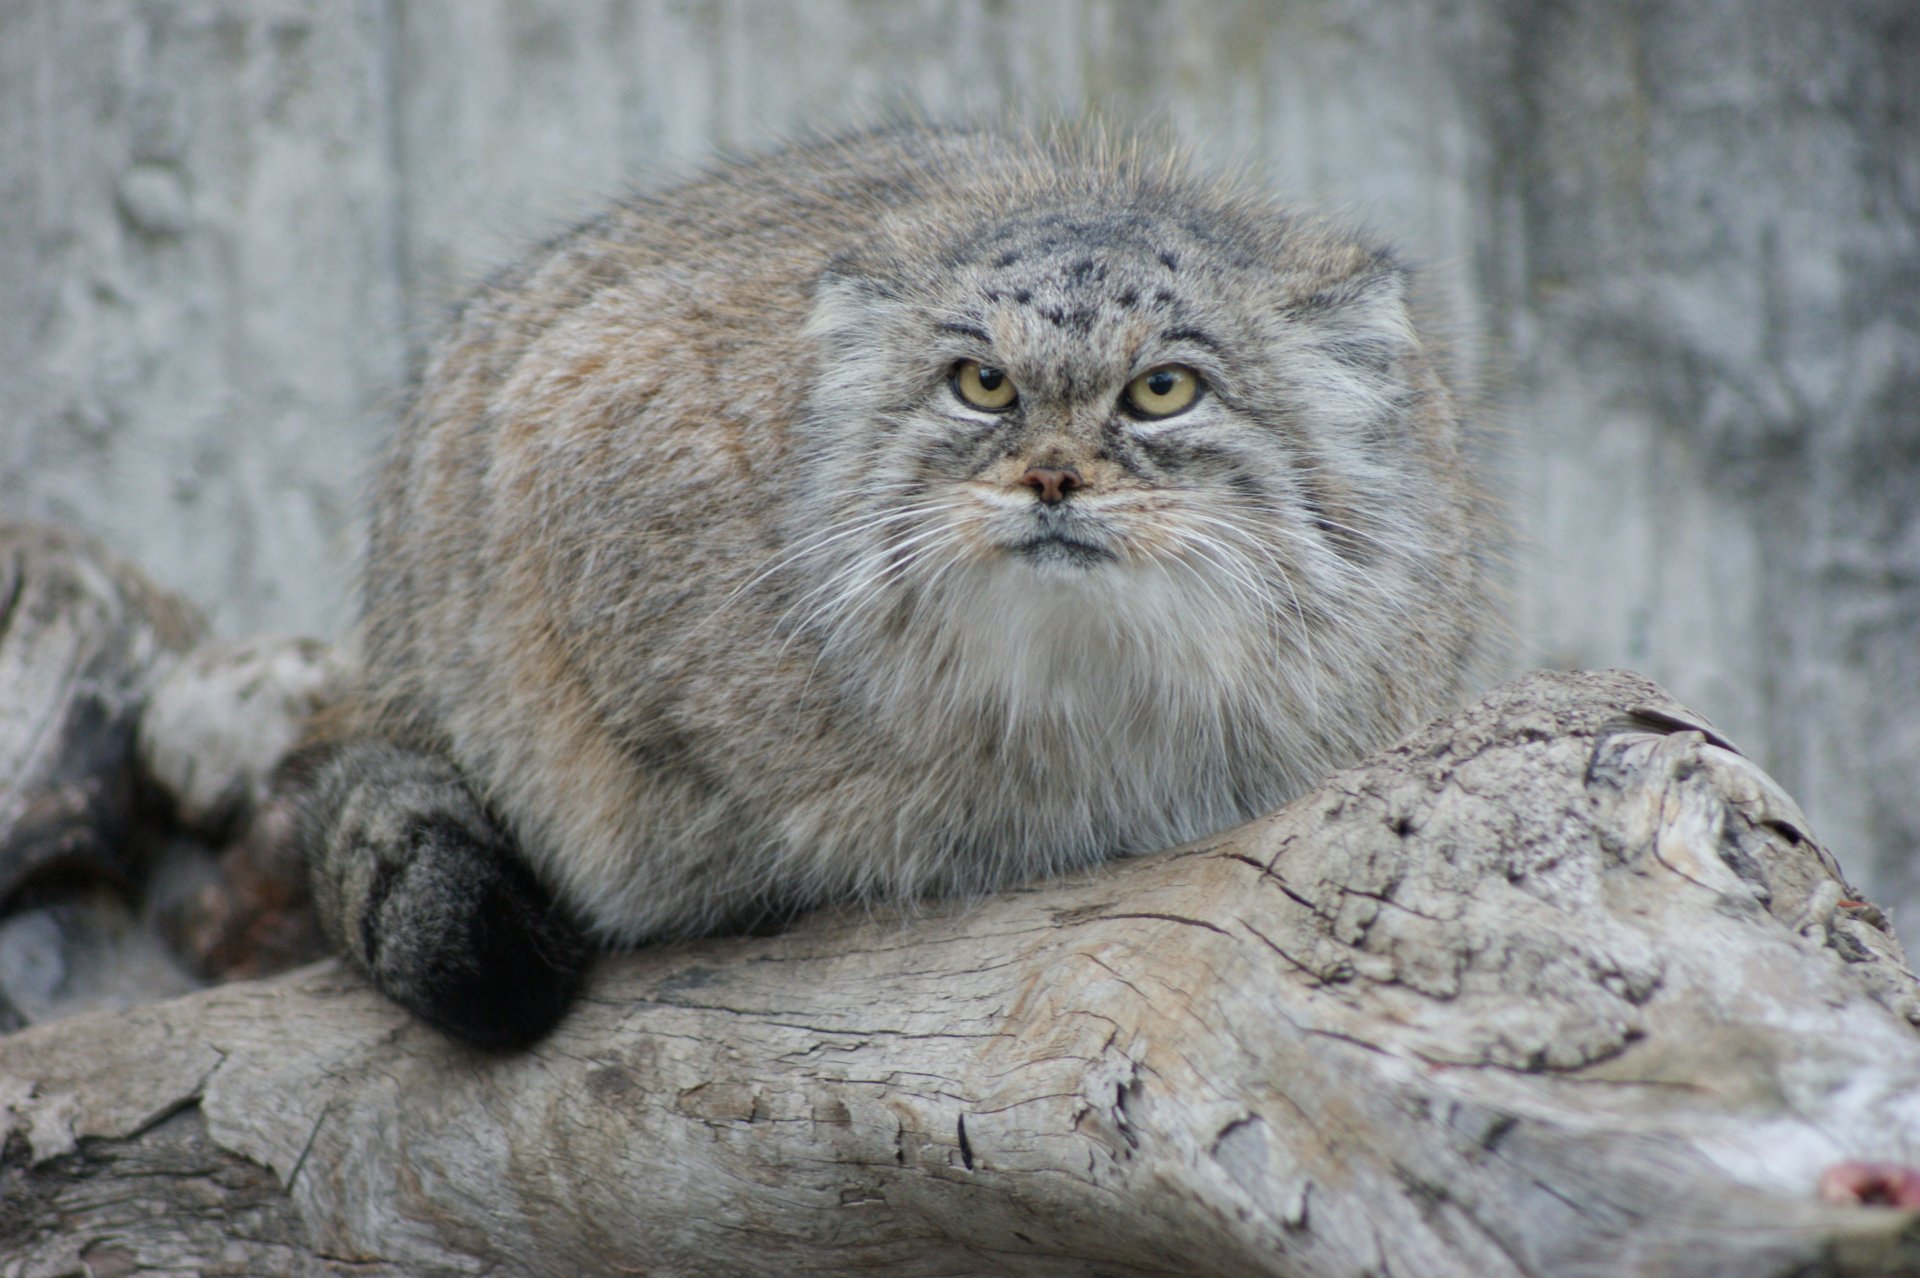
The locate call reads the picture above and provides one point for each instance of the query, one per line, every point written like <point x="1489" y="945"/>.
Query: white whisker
<point x="853" y="525"/>
<point x="848" y="581"/>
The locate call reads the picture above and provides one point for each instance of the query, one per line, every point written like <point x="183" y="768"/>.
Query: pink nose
<point x="1051" y="484"/>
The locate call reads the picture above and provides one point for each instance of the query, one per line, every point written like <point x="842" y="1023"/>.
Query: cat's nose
<point x="1052" y="483"/>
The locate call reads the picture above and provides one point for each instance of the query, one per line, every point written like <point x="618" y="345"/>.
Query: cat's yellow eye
<point x="982" y="387"/>
<point x="1163" y="391"/>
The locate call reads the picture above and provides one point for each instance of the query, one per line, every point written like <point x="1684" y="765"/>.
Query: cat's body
<point x="715" y="574"/>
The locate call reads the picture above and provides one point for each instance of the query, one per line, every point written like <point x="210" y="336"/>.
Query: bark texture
<point x="83" y="634"/>
<point x="131" y="747"/>
<point x="1558" y="986"/>
<point x="83" y="637"/>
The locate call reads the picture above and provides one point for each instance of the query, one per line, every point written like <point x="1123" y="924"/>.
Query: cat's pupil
<point x="1162" y="382"/>
<point x="990" y="379"/>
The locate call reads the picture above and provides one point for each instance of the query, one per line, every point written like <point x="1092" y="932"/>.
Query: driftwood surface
<point x="83" y="636"/>
<point x="1560" y="985"/>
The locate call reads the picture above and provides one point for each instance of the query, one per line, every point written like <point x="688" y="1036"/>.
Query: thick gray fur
<point x="693" y="567"/>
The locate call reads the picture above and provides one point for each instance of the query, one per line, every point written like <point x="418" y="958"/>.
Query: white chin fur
<point x="1115" y="700"/>
<point x="1061" y="633"/>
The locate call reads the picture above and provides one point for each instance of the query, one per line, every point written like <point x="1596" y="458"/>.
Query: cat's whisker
<point x="873" y="595"/>
<point x="1372" y="583"/>
<point x="848" y="580"/>
<point x="1281" y="570"/>
<point x="1289" y="620"/>
<point x="862" y="583"/>
<point x="853" y="525"/>
<point x="881" y="525"/>
<point x="1286" y="522"/>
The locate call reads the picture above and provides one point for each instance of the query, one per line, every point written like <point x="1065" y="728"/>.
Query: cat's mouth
<point x="1063" y="536"/>
<point x="1052" y="546"/>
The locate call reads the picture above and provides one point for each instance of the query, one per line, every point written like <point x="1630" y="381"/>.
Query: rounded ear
<point x="1363" y="321"/>
<point x="855" y="331"/>
<point x="844" y="305"/>
<point x="1354" y="351"/>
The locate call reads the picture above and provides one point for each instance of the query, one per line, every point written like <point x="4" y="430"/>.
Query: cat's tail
<point x="422" y="886"/>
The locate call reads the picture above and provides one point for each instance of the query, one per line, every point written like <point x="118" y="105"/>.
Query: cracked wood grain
<point x="1560" y="985"/>
<point x="83" y="635"/>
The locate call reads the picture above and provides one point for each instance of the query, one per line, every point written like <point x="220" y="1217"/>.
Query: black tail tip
<point x="509" y="999"/>
<point x="498" y="974"/>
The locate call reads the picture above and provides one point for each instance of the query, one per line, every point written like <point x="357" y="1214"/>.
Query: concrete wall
<point x="1678" y="241"/>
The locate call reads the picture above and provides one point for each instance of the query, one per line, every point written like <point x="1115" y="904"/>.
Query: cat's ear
<point x="849" y="303"/>
<point x="853" y="332"/>
<point x="1353" y="351"/>
<point x="1363" y="321"/>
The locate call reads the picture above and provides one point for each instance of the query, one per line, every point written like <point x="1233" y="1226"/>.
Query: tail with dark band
<point x="419" y="884"/>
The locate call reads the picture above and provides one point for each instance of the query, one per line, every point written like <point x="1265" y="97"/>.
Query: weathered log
<point x="1558" y="986"/>
<point x="83" y="635"/>
<point x="130" y="749"/>
<point x="212" y="737"/>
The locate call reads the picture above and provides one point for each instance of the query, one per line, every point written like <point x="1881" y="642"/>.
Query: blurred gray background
<point x="1676" y="244"/>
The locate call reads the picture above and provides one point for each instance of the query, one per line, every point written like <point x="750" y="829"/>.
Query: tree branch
<point x="1560" y="985"/>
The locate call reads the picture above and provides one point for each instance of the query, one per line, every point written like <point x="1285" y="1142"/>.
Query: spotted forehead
<point x="1116" y="256"/>
<point x="1073" y="286"/>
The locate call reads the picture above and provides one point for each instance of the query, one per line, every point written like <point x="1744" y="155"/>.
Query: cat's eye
<point x="1163" y="391"/>
<point x="982" y="387"/>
